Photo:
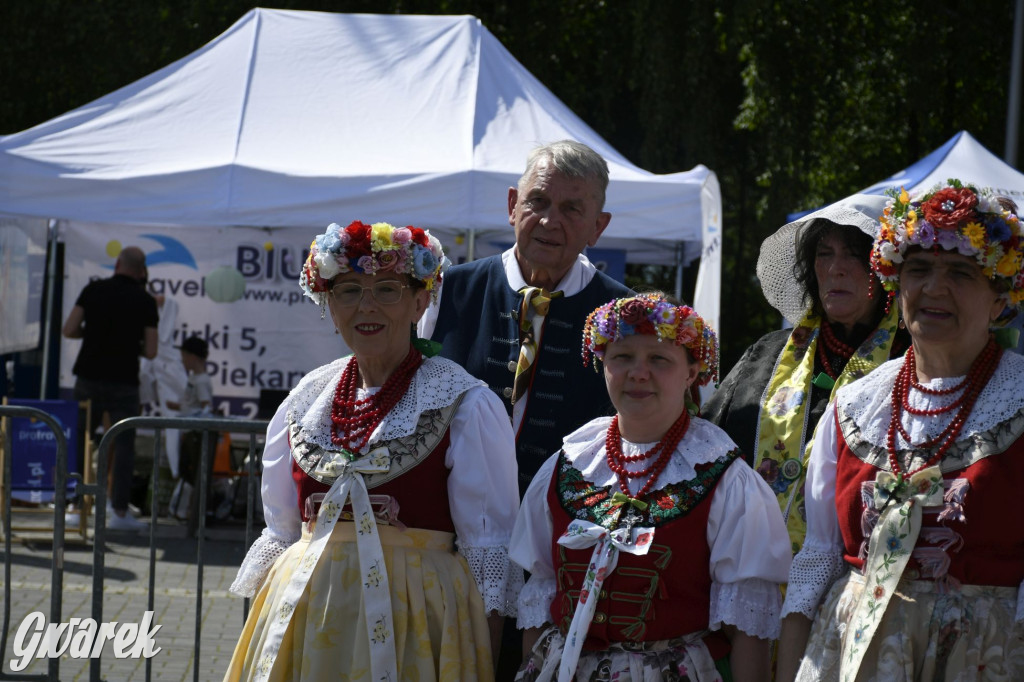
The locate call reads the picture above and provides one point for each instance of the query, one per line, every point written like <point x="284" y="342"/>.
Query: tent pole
<point x="51" y="283"/>
<point x="471" y="243"/>
<point x="1013" y="102"/>
<point x="679" y="271"/>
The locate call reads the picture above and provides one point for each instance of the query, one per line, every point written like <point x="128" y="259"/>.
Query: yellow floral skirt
<point x="440" y="627"/>
<point x="965" y="633"/>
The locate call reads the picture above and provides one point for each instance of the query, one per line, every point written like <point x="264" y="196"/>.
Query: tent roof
<point x="961" y="157"/>
<point x="302" y="118"/>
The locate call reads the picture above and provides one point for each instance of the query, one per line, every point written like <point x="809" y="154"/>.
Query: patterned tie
<point x="540" y="300"/>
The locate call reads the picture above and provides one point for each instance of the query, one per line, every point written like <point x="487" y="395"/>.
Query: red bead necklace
<point x="977" y="377"/>
<point x="835" y="346"/>
<point x="661" y="454"/>
<point x="352" y="420"/>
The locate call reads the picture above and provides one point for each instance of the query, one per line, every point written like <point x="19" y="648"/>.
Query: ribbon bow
<point x="900" y="500"/>
<point x="540" y="301"/>
<point x="622" y="498"/>
<point x="607" y="544"/>
<point x="349" y="485"/>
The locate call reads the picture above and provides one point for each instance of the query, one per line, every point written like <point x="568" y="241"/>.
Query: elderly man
<point x="515" y="320"/>
<point x="117" y="322"/>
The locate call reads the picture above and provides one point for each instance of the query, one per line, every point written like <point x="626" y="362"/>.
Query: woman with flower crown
<point x="389" y="489"/>
<point x="912" y="566"/>
<point x="654" y="551"/>
<point x="816" y="272"/>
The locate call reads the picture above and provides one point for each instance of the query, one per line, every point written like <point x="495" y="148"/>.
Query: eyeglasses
<point x="386" y="293"/>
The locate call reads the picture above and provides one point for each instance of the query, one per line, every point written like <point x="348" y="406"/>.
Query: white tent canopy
<point x="961" y="157"/>
<point x="291" y="120"/>
<point x="300" y="118"/>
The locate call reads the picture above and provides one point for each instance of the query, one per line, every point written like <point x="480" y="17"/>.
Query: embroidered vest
<point x="422" y="495"/>
<point x="971" y="539"/>
<point x="660" y="596"/>
<point x="478" y="329"/>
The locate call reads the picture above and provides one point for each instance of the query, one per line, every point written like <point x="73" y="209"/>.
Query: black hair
<point x="810" y="237"/>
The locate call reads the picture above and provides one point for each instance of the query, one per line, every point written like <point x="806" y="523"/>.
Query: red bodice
<point x="974" y="538"/>
<point x="662" y="595"/>
<point x="421" y="490"/>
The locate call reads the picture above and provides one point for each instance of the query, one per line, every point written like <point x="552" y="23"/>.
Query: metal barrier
<point x="98" y="490"/>
<point x="59" y="502"/>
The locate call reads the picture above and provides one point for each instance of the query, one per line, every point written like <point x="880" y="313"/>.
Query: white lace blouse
<point x="482" y="481"/>
<point x="750" y="552"/>
<point x="867" y="401"/>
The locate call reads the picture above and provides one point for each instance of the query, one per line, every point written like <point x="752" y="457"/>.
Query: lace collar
<point x="997" y="420"/>
<point x="437" y="383"/>
<point x="703" y="443"/>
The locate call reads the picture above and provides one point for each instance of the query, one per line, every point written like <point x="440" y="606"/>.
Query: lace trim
<point x="752" y="605"/>
<point x="811" y="575"/>
<point x="437" y="383"/>
<point x="535" y="602"/>
<point x="500" y="581"/>
<point x="258" y="562"/>
<point x="1019" y="618"/>
<point x="996" y="421"/>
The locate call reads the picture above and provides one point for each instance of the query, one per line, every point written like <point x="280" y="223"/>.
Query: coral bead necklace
<point x="352" y="420"/>
<point x="658" y="456"/>
<point x="906" y="380"/>
<point x="827" y="339"/>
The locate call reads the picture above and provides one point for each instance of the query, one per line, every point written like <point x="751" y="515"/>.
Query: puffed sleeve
<point x="484" y="496"/>
<point x="531" y="549"/>
<point x="750" y="553"/>
<point x="819" y="563"/>
<point x="280" y="509"/>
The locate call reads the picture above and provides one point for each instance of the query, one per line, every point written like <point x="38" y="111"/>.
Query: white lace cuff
<point x="810" y="576"/>
<point x="498" y="579"/>
<point x="752" y="605"/>
<point x="260" y="557"/>
<point x="535" y="602"/>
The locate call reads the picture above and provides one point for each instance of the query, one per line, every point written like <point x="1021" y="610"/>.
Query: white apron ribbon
<point x="607" y="544"/>
<point x="348" y="485"/>
<point x="892" y="540"/>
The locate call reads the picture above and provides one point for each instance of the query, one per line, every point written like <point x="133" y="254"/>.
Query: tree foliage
<point x="793" y="104"/>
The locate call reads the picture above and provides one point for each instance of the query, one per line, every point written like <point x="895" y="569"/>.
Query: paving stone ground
<point x="126" y="594"/>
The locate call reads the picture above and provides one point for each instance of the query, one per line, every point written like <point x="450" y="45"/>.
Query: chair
<point x="33" y="457"/>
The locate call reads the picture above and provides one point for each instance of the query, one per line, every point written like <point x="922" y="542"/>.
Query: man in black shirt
<point x="117" y="321"/>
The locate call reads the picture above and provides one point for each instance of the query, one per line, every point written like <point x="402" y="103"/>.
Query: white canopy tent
<point x="961" y="157"/>
<point x="297" y="119"/>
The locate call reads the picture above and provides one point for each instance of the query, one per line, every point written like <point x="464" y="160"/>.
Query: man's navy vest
<point x="478" y="327"/>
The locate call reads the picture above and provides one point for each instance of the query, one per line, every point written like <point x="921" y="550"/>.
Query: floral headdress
<point x="372" y="249"/>
<point x="652" y="314"/>
<point x="957" y="218"/>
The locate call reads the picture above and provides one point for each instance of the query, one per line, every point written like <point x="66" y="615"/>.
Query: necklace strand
<point x="977" y="378"/>
<point x="835" y="347"/>
<point x="659" y="455"/>
<point x="353" y="421"/>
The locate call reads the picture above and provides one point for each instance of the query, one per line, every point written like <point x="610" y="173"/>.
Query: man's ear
<point x="603" y="218"/>
<point x="513" y="199"/>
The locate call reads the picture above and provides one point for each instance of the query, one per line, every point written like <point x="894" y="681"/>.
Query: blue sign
<point x="34" y="449"/>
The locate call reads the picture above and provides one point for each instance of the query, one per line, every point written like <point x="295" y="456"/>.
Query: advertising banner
<point x="34" y="449"/>
<point x="22" y="265"/>
<point x="267" y="339"/>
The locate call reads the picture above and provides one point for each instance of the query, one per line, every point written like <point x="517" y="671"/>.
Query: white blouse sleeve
<point x="483" y="494"/>
<point x="750" y="553"/>
<point x="819" y="563"/>
<point x="531" y="548"/>
<point x="280" y="509"/>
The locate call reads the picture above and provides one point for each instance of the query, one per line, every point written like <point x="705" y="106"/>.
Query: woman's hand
<point x="530" y="637"/>
<point x="750" y="658"/>
<point x="796" y="627"/>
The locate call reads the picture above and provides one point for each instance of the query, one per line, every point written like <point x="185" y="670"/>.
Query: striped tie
<point x="540" y="300"/>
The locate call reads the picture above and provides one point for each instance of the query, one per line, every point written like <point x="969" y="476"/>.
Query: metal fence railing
<point x="99" y="492"/>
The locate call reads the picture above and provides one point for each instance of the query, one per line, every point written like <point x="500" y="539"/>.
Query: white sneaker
<point x="126" y="522"/>
<point x="72" y="520"/>
<point x="132" y="509"/>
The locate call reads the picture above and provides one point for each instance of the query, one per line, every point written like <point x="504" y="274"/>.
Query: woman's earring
<point x="902" y="324"/>
<point x="336" y="332"/>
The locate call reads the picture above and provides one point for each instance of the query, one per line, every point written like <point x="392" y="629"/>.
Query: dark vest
<point x="478" y="328"/>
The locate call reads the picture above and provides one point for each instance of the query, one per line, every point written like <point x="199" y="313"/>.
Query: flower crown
<point x="372" y="249"/>
<point x="957" y="218"/>
<point x="652" y="314"/>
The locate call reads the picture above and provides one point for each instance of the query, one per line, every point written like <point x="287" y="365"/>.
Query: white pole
<point x="1013" y="102"/>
